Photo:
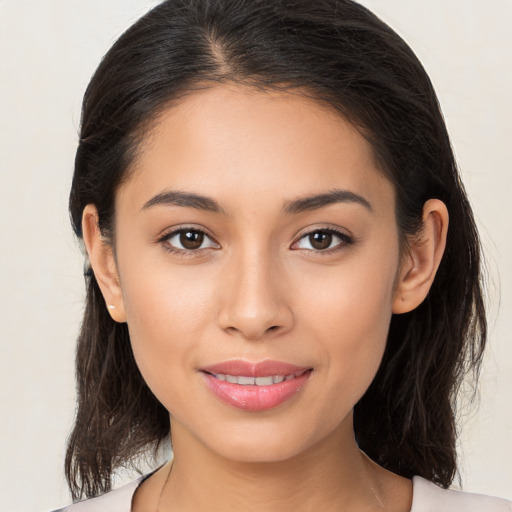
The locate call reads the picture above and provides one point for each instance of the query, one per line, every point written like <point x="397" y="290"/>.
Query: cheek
<point x="166" y="314"/>
<point x="359" y="328"/>
<point x="351" y="315"/>
<point x="161" y="298"/>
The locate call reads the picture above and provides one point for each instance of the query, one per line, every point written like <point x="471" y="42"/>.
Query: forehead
<point x="232" y="142"/>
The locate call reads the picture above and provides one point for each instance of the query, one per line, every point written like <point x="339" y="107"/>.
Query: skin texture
<point x="258" y="289"/>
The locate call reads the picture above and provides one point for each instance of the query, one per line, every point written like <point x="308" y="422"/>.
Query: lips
<point x="255" y="386"/>
<point x="245" y="380"/>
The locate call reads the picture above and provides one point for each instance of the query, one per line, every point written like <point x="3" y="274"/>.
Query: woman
<point x="264" y="190"/>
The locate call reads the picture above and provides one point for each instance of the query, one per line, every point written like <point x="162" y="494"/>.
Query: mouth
<point x="246" y="380"/>
<point x="255" y="386"/>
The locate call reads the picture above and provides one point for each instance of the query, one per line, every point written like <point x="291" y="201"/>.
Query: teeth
<point x="246" y="381"/>
<point x="256" y="381"/>
<point x="264" y="381"/>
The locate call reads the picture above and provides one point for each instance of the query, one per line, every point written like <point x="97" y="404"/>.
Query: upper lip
<point x="268" y="367"/>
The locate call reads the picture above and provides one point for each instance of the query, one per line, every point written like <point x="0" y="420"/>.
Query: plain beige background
<point x="49" y="49"/>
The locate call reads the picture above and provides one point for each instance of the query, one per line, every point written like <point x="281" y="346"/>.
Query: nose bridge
<point x="254" y="303"/>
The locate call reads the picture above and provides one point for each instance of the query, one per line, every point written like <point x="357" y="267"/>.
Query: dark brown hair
<point x="341" y="55"/>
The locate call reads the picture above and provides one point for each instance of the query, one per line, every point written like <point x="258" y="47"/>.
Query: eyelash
<point x="345" y="240"/>
<point x="164" y="241"/>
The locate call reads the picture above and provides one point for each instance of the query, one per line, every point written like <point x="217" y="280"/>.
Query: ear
<point x="103" y="263"/>
<point x="422" y="259"/>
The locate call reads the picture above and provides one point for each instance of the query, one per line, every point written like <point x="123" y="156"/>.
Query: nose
<point x="254" y="301"/>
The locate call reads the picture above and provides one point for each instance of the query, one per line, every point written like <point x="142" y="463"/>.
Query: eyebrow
<point x="303" y="204"/>
<point x="315" y="202"/>
<point x="186" y="199"/>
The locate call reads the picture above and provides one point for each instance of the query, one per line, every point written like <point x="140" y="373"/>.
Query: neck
<point x="333" y="475"/>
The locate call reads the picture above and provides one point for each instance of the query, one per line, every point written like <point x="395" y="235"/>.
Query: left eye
<point x="322" y="240"/>
<point x="189" y="240"/>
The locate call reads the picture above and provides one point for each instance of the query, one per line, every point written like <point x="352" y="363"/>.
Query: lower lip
<point x="256" y="398"/>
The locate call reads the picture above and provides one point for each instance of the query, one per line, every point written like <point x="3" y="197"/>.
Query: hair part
<point x="343" y="56"/>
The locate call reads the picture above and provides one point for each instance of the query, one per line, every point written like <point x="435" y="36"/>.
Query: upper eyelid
<point x="169" y="233"/>
<point x="345" y="238"/>
<point x="163" y="241"/>
<point x="331" y="229"/>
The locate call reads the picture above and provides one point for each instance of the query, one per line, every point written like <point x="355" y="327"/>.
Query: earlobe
<point x="424" y="254"/>
<point x="103" y="264"/>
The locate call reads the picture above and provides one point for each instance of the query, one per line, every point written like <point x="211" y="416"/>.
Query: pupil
<point x="191" y="239"/>
<point x="320" y="240"/>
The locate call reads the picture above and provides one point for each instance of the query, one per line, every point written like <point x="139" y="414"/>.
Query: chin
<point x="259" y="453"/>
<point x="261" y="442"/>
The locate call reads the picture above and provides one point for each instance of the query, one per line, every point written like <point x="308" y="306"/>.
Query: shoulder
<point x="119" y="500"/>
<point x="428" y="497"/>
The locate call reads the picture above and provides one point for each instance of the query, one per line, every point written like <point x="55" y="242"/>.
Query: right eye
<point x="188" y="240"/>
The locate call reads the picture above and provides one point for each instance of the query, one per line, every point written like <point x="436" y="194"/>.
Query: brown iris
<point x="320" y="240"/>
<point x="191" y="239"/>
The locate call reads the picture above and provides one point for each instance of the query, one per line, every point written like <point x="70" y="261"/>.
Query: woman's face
<point x="256" y="241"/>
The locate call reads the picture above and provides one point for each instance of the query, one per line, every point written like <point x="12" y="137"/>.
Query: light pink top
<point x="426" y="497"/>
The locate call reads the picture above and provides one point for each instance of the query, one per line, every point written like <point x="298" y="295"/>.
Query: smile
<point x="255" y="387"/>
<point x="244" y="380"/>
